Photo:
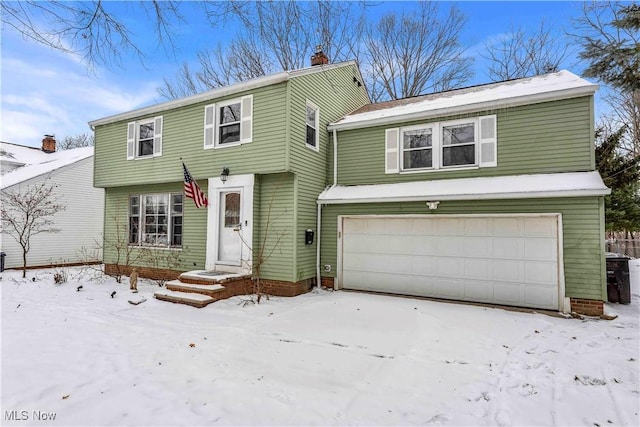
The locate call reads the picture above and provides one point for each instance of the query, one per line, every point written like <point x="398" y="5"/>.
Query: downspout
<point x="318" y="240"/>
<point x="335" y="157"/>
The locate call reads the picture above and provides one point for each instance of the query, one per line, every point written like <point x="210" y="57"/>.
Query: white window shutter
<point x="209" y="125"/>
<point x="246" y="119"/>
<point x="157" y="136"/>
<point x="392" y="150"/>
<point x="131" y="140"/>
<point x="488" y="141"/>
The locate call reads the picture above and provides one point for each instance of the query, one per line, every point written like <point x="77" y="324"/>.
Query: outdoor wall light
<point x="225" y="174"/>
<point x="433" y="205"/>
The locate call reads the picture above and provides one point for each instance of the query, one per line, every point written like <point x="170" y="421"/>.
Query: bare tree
<point x="624" y="110"/>
<point x="414" y="53"/>
<point x="29" y="212"/>
<point x="93" y="29"/>
<point x="274" y="36"/>
<point x="521" y="54"/>
<point x="77" y="141"/>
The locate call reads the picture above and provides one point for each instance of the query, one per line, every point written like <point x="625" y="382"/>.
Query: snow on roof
<point x="547" y="87"/>
<point x="20" y="154"/>
<point x="570" y="184"/>
<point x="48" y="163"/>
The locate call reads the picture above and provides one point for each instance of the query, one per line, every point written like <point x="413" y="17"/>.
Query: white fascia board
<point x="218" y="93"/>
<point x="467" y="108"/>
<point x="571" y="184"/>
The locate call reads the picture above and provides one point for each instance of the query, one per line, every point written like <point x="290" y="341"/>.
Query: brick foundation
<point x="587" y="307"/>
<point x="327" y="282"/>
<point x="242" y="286"/>
<point x="146" y="272"/>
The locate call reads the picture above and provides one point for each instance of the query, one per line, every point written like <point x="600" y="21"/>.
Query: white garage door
<point x="509" y="260"/>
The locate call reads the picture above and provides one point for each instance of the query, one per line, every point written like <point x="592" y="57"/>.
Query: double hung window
<point x="144" y="138"/>
<point x="312" y="126"/>
<point x="454" y="144"/>
<point x="156" y="220"/>
<point x="228" y="123"/>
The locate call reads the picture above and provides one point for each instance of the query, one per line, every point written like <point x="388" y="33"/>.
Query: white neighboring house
<point x="80" y="224"/>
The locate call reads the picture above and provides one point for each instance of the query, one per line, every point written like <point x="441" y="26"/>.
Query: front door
<point x="230" y="228"/>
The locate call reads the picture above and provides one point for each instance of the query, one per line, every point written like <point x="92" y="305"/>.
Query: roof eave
<point x="458" y="197"/>
<point x="469" y="108"/>
<point x="217" y="93"/>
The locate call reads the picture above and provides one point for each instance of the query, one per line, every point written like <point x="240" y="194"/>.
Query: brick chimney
<point x="49" y="144"/>
<point x="319" y="58"/>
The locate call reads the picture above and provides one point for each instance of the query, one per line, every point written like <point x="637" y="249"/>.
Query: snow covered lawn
<point x="83" y="358"/>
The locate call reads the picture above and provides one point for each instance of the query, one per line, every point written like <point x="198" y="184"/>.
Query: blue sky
<point x="48" y="92"/>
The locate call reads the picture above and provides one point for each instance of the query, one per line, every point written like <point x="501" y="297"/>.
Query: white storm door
<point x="230" y="227"/>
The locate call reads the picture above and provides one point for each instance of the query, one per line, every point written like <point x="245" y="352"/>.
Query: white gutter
<point x="422" y="198"/>
<point x="464" y="108"/>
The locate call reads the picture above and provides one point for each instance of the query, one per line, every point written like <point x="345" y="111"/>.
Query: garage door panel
<point x="423" y="245"/>
<point x="449" y="267"/>
<point x="541" y="273"/>
<point x="508" y="227"/>
<point x="508" y="271"/>
<point x="540" y="227"/>
<point x="450" y="245"/>
<point x="508" y="248"/>
<point x="481" y="291"/>
<point x="450" y="288"/>
<point x="478" y="269"/>
<point x="420" y="227"/>
<point x="541" y="249"/>
<point x="449" y="227"/>
<point x="478" y="227"/>
<point x="502" y="260"/>
<point x="423" y="265"/>
<point x="478" y="247"/>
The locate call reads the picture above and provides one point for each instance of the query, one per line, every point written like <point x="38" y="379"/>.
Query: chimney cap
<point x="319" y="58"/>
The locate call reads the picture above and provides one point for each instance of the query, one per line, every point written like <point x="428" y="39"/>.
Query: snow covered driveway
<point x="325" y="358"/>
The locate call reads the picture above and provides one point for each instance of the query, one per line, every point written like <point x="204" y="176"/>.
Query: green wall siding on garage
<point x="548" y="137"/>
<point x="582" y="232"/>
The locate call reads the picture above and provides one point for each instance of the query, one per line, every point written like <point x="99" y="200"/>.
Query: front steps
<point x="201" y="288"/>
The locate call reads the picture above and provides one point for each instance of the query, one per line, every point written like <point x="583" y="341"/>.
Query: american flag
<point x="192" y="190"/>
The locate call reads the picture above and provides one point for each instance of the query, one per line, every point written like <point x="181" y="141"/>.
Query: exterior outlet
<point x="327" y="268"/>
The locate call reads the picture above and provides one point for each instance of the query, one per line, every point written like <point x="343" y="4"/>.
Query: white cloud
<point x="46" y="91"/>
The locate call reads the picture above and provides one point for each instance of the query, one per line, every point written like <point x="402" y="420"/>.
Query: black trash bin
<point x="618" y="282"/>
<point x="2" y="255"/>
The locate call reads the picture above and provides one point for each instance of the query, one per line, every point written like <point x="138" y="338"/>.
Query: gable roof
<point x="530" y="90"/>
<point x="251" y="84"/>
<point x="20" y="154"/>
<point x="48" y="164"/>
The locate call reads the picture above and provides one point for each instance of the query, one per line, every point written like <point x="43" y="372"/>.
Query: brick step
<point x="210" y="278"/>
<point x="189" y="298"/>
<point x="211" y="290"/>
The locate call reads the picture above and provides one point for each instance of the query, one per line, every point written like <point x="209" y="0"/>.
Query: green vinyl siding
<point x="335" y="94"/>
<point x="274" y="218"/>
<point x="192" y="254"/>
<point x="582" y="232"/>
<point x="183" y="137"/>
<point x="548" y="137"/>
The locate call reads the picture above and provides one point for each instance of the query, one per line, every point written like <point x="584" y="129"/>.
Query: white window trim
<point x="141" y="214"/>
<point x="133" y="138"/>
<point x="437" y="146"/>
<point x="245" y="122"/>
<point x="313" y="106"/>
